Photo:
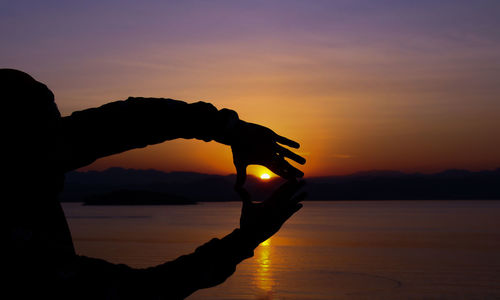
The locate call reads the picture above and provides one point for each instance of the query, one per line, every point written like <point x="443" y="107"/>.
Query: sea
<point x="328" y="250"/>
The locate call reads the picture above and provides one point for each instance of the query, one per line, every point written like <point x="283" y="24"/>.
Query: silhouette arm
<point x="138" y="122"/>
<point x="135" y="123"/>
<point x="210" y="265"/>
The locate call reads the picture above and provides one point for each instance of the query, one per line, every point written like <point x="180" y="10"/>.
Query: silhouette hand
<point x="256" y="144"/>
<point x="259" y="221"/>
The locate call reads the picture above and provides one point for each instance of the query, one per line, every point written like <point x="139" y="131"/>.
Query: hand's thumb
<point x="241" y="175"/>
<point x="244" y="195"/>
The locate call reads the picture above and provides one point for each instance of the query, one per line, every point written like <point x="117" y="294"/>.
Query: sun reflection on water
<point x="263" y="278"/>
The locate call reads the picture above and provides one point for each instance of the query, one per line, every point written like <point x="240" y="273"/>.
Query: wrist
<point x="249" y="237"/>
<point x="228" y="121"/>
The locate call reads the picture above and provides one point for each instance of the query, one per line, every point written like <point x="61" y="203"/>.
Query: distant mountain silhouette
<point x="393" y="185"/>
<point x="197" y="187"/>
<point x="370" y="185"/>
<point x="377" y="173"/>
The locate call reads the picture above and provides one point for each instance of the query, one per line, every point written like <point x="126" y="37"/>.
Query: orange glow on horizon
<point x="340" y="132"/>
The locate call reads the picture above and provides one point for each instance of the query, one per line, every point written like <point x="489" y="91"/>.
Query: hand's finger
<point x="241" y="174"/>
<point x="287" y="153"/>
<point x="244" y="195"/>
<point x="292" y="211"/>
<point x="295" y="204"/>
<point x="300" y="197"/>
<point x="283" y="140"/>
<point x="287" y="190"/>
<point x="288" y="199"/>
<point x="284" y="169"/>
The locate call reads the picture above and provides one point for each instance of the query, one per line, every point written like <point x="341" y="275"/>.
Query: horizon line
<point x="276" y="176"/>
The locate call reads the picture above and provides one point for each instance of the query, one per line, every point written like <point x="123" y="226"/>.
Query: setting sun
<point x="265" y="176"/>
<point x="260" y="172"/>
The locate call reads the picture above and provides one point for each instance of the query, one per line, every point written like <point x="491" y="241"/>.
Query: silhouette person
<point x="40" y="146"/>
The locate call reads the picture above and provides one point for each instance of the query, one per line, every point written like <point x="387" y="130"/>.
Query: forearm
<point x="137" y="122"/>
<point x="210" y="265"/>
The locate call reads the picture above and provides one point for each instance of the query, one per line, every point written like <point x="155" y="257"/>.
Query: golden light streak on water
<point x="263" y="278"/>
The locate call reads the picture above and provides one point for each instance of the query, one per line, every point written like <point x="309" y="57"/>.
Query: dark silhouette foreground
<point x="41" y="260"/>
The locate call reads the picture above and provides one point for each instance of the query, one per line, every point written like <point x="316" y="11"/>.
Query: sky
<point x="361" y="85"/>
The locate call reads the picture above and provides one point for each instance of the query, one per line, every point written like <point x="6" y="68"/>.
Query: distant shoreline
<point x="181" y="187"/>
<point x="237" y="201"/>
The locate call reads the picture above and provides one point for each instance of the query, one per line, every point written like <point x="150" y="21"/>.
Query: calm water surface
<point x="328" y="250"/>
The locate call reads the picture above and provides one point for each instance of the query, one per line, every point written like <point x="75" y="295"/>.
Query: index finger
<point x="283" y="140"/>
<point x="284" y="169"/>
<point x="287" y="153"/>
<point x="241" y="174"/>
<point x="287" y="190"/>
